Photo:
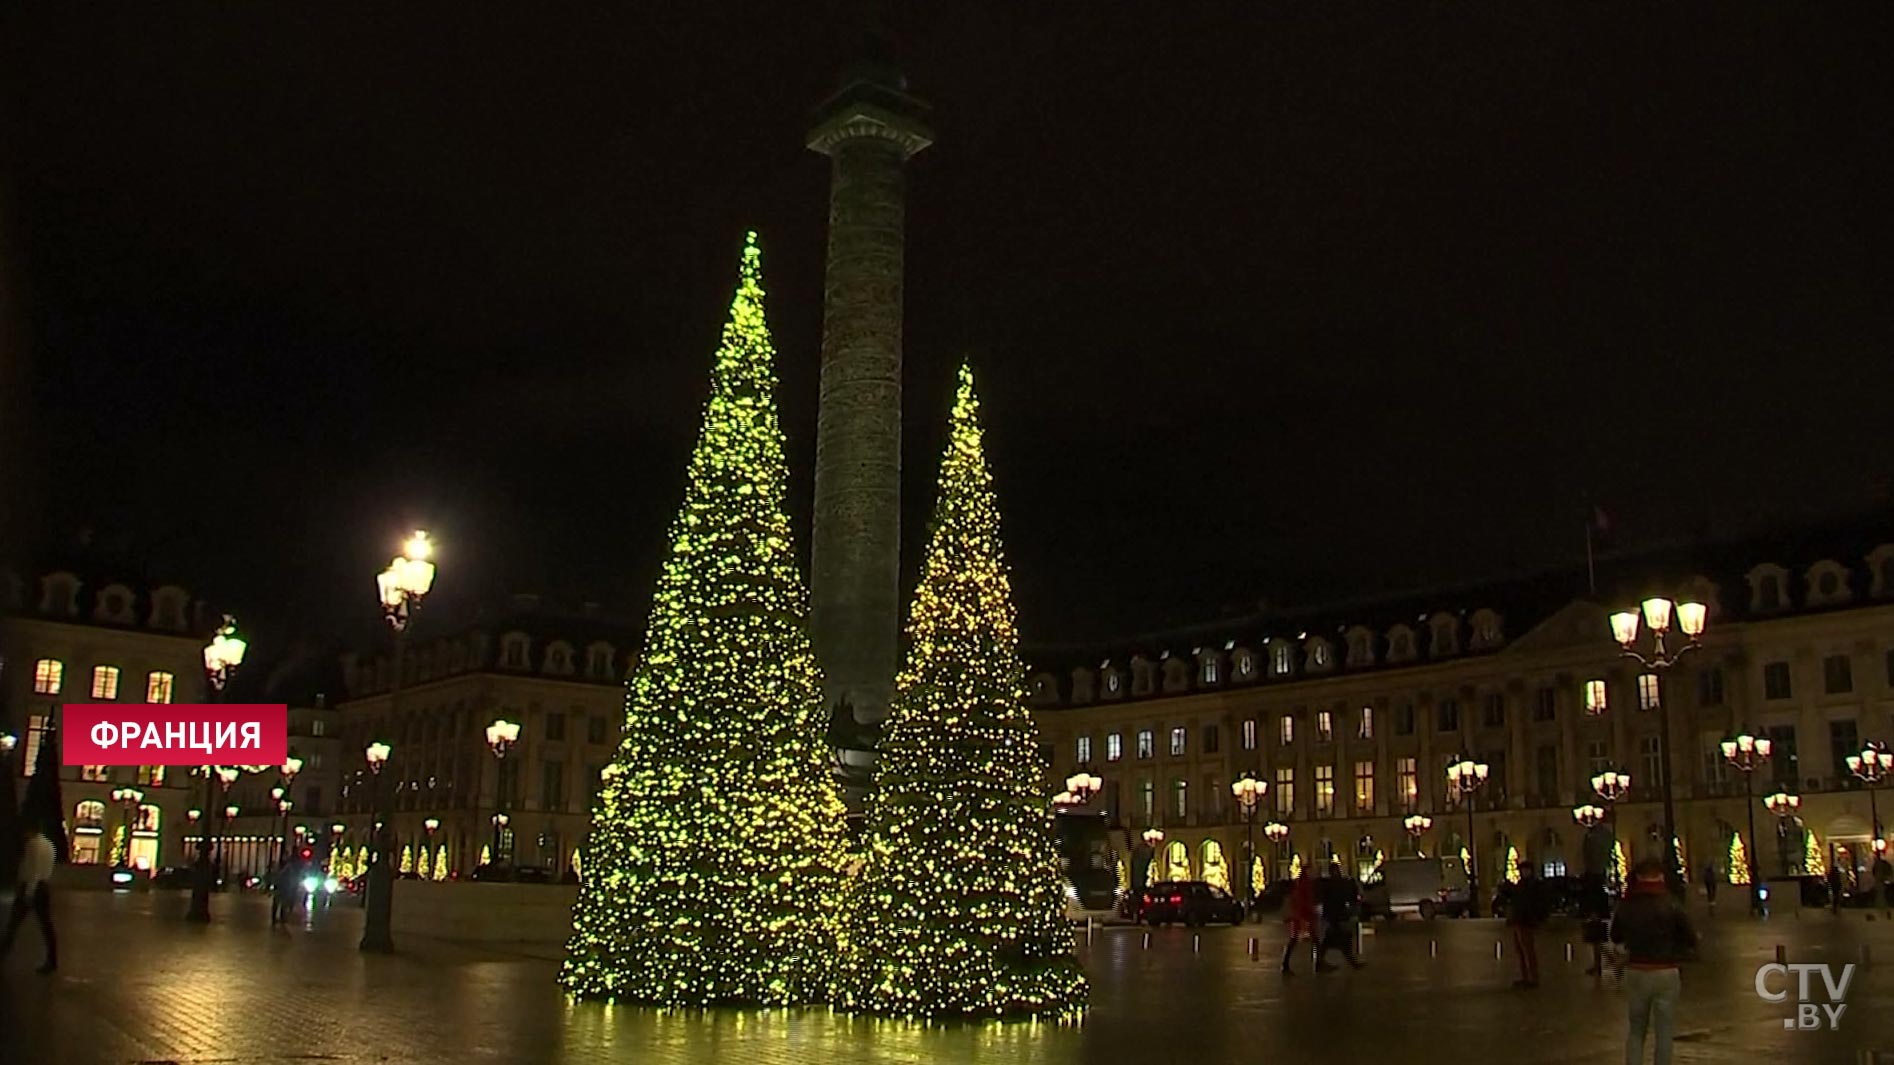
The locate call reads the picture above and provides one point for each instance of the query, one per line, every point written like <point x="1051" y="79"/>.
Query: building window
<point x="1324" y="791"/>
<point x="1366" y="729"/>
<point x="36" y="727"/>
<point x="1648" y="696"/>
<point x="1177" y="743"/>
<point x="1210" y="739"/>
<point x="1653" y="761"/>
<point x="1319" y="655"/>
<point x="598" y="663"/>
<point x="1597" y="756"/>
<point x="555" y="725"/>
<point x="1245" y="664"/>
<point x="1597" y="698"/>
<point x="1147" y="800"/>
<point x="1404" y="720"/>
<point x="1324" y="726"/>
<point x="1364" y="789"/>
<point x="552" y="785"/>
<point x="1282" y="660"/>
<point x="95" y="772"/>
<point x="1288" y="733"/>
<point x="105" y="682"/>
<point x="595" y="729"/>
<point x="1085" y="750"/>
<point x="1114" y="747"/>
<point x="1146" y="743"/>
<point x="1112" y="682"/>
<point x="1710" y="687"/>
<point x="318" y="727"/>
<point x="1775" y="680"/>
<point x="1407" y="778"/>
<point x="1844" y="739"/>
<point x="152" y="776"/>
<point x="1249" y="734"/>
<point x="1447" y="715"/>
<point x="1783" y="761"/>
<point x="48" y="675"/>
<point x="158" y="687"/>
<point x="1838" y="677"/>
<point x="1545" y="704"/>
<point x="1210" y="671"/>
<point x="1768" y="594"/>
<point x="1213" y="793"/>
<point x="1285" y="792"/>
<point x="1493" y="711"/>
<point x="1547" y="757"/>
<point x="1180" y="798"/>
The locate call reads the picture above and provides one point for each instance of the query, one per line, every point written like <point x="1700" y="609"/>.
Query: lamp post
<point x="1691" y="618"/>
<point x="1784" y="806"/>
<point x="1417" y="826"/>
<point x="1275" y="832"/>
<point x="501" y="736"/>
<point x="221" y="658"/>
<point x="1248" y="792"/>
<point x="335" y="848"/>
<point x="129" y="800"/>
<point x="430" y="826"/>
<point x="1465" y="777"/>
<point x="1872" y="766"/>
<point x="377" y="935"/>
<point x="1589" y="816"/>
<point x="401" y="588"/>
<point x="1153" y="838"/>
<point x="1082" y="785"/>
<point x="1748" y="753"/>
<point x="290" y="767"/>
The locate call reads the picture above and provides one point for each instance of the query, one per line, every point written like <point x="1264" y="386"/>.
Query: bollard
<point x="1147" y="941"/>
<point x="1253" y="953"/>
<point x="1782" y="954"/>
<point x="1088" y="930"/>
<point x="1433" y="948"/>
<point x="1496" y="950"/>
<point x="1196" y="943"/>
<point x="1568" y="952"/>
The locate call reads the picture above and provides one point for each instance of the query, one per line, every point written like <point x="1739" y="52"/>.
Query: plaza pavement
<point x="139" y="985"/>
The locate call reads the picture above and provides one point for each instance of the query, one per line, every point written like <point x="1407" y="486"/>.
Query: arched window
<point x="49" y="674"/>
<point x="1281" y="659"/>
<point x="1178" y="863"/>
<point x="1216" y="872"/>
<point x="88" y="814"/>
<point x="158" y="687"/>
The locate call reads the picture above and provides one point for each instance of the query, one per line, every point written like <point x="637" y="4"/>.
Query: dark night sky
<point x="1318" y="302"/>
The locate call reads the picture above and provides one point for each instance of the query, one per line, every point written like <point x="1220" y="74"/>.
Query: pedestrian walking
<point x="1710" y="880"/>
<point x="1341" y="905"/>
<point x="42" y="845"/>
<point x="283" y="890"/>
<point x="1298" y="918"/>
<point x="1529" y="910"/>
<point x="1595" y="909"/>
<point x="1655" y="935"/>
<point x="1884" y="876"/>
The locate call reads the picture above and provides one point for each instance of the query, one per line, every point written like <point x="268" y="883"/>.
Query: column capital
<point x="865" y="110"/>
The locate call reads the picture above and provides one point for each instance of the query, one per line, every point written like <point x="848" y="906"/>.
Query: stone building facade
<point x="558" y="675"/>
<point x="1350" y="716"/>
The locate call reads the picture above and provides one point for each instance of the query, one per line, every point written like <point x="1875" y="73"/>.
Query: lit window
<point x="1285" y="792"/>
<point x="1180" y="799"/>
<point x="1364" y="788"/>
<point x="105" y="682"/>
<point x="1324" y="791"/>
<point x="1405" y="770"/>
<point x="1324" y="726"/>
<point x="1147" y="799"/>
<point x="151" y="776"/>
<point x="1085" y="749"/>
<point x="48" y="675"/>
<point x="1288" y="733"/>
<point x="1114" y="747"/>
<point x="1146" y="748"/>
<point x="1245" y="665"/>
<point x="95" y="772"/>
<point x="1249" y="735"/>
<point x="1319" y="655"/>
<point x="158" y="687"/>
<point x="1366" y="731"/>
<point x="1177" y="743"/>
<point x="1111" y="682"/>
<point x="36" y="728"/>
<point x="1647" y="691"/>
<point x="1281" y="659"/>
<point x="1595" y="699"/>
<point x="1209" y="671"/>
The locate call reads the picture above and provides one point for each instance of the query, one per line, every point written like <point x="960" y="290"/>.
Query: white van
<point x="1426" y="886"/>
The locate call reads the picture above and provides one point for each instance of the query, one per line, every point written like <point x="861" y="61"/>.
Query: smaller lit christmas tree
<point x="1259" y="875"/>
<point x="1466" y="861"/>
<point x="1512" y="864"/>
<point x="1620" y="864"/>
<point x="440" y="863"/>
<point x="361" y="860"/>
<point x="1215" y="872"/>
<point x="1683" y="864"/>
<point x="1739" y="859"/>
<point x="486" y="854"/>
<point x="1295" y="866"/>
<point x="1814" y="859"/>
<point x="120" y="855"/>
<point x="407" y="859"/>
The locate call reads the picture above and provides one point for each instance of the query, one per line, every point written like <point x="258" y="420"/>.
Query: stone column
<point x="868" y="130"/>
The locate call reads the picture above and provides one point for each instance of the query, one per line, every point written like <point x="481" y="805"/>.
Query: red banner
<point x="174" y="734"/>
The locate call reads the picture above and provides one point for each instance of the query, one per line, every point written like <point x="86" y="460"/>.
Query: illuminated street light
<point x="1748" y="753"/>
<point x="1465" y="777"/>
<point x="1249" y="792"/>
<point x="1690" y="619"/>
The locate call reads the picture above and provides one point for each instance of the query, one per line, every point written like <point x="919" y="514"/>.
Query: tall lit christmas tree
<point x="710" y="870"/>
<point x="960" y="909"/>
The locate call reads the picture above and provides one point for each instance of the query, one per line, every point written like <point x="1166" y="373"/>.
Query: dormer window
<point x="115" y="605"/>
<point x="1081" y="685"/>
<point x="1881" y="565"/>
<point x="1141" y="680"/>
<point x="1210" y="669"/>
<point x="598" y="661"/>
<point x="1446" y="636"/>
<point x="559" y="657"/>
<point x="1114" y="684"/>
<point x="1281" y="659"/>
<point x="1768" y="588"/>
<point x="1360" y="648"/>
<point x="1400" y="644"/>
<point x="1319" y="657"/>
<point x="167" y="608"/>
<point x="1486" y="630"/>
<point x="60" y="595"/>
<point x="1828" y="584"/>
<point x="1245" y="665"/>
<point x="513" y="650"/>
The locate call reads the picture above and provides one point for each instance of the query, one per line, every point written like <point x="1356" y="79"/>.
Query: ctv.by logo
<point x="1809" y="1014"/>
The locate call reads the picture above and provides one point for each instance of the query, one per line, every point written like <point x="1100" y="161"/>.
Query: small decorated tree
<point x="1739" y="859"/>
<point x="1512" y="864"/>
<point x="440" y="862"/>
<point x="1814" y="858"/>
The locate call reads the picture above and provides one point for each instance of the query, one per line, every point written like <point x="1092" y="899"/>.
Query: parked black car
<point x="1190" y="902"/>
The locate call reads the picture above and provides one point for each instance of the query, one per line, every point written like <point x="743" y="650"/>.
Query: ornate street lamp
<point x="1465" y="777"/>
<point x="1872" y="766"/>
<point x="406" y="581"/>
<point x="1611" y="785"/>
<point x="1690" y="618"/>
<point x="1784" y="805"/>
<point x="1589" y="816"/>
<point x="1748" y="753"/>
<point x="290" y="767"/>
<point x="1249" y="792"/>
<point x="128" y="799"/>
<point x="501" y="736"/>
<point x="221" y="659"/>
<point x="1417" y="825"/>
<point x="1275" y="832"/>
<point x="377" y="933"/>
<point x="1082" y="786"/>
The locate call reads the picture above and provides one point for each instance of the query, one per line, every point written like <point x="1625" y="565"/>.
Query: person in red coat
<point x="1299" y="917"/>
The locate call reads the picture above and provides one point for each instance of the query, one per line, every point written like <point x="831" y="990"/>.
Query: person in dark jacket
<point x="1710" y="879"/>
<point x="43" y="843"/>
<point x="1655" y="936"/>
<point x="1341" y="906"/>
<point x="1529" y="910"/>
<point x="1298" y="917"/>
